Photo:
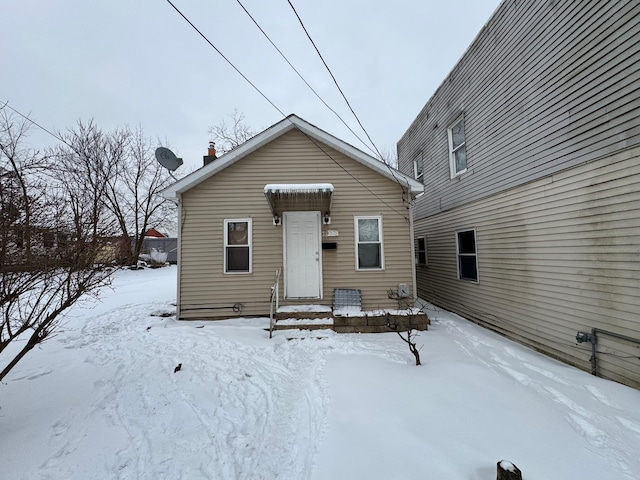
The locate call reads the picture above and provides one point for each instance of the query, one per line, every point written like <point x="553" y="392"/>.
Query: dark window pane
<point x="468" y="268"/>
<point x="369" y="255"/>
<point x="62" y="239"/>
<point x="421" y="250"/>
<point x="237" y="259"/>
<point x="48" y="239"/>
<point x="467" y="242"/>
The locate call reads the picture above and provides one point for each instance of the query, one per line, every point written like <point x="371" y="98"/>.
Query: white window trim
<point x="227" y="221"/>
<point x="415" y="168"/>
<point x="357" y="242"/>
<point x="426" y="257"/>
<point x="452" y="158"/>
<point x="458" y="254"/>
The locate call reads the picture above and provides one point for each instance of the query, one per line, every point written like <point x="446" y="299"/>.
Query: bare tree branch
<point x="51" y="219"/>
<point x="231" y="134"/>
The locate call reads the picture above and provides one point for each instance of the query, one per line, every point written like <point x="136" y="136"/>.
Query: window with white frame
<point x="369" y="248"/>
<point x="421" y="251"/>
<point x="467" y="256"/>
<point x="457" y="148"/>
<point x="418" y="166"/>
<point x="237" y="245"/>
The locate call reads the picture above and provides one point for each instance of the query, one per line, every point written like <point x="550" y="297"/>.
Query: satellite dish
<point x="167" y="159"/>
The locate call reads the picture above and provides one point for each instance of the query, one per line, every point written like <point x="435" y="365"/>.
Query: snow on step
<point x="306" y="321"/>
<point x="304" y="309"/>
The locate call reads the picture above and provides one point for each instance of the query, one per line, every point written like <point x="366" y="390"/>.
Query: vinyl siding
<point x="545" y="86"/>
<point x="237" y="192"/>
<point x="556" y="256"/>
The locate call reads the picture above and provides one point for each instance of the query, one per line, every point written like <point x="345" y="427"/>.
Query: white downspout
<point x="413" y="253"/>
<point x="179" y="255"/>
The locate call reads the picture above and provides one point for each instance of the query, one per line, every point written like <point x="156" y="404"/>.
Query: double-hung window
<point x="237" y="245"/>
<point x="369" y="248"/>
<point x="457" y="148"/>
<point x="467" y="256"/>
<point x="421" y="251"/>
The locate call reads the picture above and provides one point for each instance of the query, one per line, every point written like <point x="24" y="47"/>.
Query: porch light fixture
<point x="276" y="219"/>
<point x="326" y="219"/>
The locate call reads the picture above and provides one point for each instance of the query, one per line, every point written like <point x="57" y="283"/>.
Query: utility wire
<point x="285" y="116"/>
<point x="6" y="104"/>
<point x="303" y="79"/>
<point x="225" y="58"/>
<point x="343" y="95"/>
<point x="334" y="78"/>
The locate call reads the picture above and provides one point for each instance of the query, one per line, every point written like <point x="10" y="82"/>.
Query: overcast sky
<point x="126" y="62"/>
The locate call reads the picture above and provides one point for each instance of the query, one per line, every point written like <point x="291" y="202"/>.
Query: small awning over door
<point x="296" y="197"/>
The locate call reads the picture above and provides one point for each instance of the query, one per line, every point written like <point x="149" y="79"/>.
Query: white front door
<point x="302" y="262"/>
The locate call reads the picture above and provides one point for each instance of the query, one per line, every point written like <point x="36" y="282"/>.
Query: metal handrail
<point x="275" y="289"/>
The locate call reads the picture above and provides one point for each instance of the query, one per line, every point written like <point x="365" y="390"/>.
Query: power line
<point x="334" y="78"/>
<point x="286" y="117"/>
<point x="303" y="79"/>
<point x="343" y="95"/>
<point x="225" y="58"/>
<point x="6" y="104"/>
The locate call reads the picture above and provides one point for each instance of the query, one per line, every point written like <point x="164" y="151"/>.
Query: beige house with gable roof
<point x="295" y="199"/>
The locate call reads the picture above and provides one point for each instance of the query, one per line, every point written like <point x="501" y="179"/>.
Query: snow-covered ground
<point x="101" y="401"/>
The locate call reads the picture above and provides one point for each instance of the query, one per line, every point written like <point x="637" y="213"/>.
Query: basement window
<point x="467" y="256"/>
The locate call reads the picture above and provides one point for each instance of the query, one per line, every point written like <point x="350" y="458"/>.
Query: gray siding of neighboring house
<point x="544" y="87"/>
<point x="555" y="256"/>
<point x="550" y="92"/>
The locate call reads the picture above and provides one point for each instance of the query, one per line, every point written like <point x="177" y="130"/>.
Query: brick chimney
<point x="211" y="154"/>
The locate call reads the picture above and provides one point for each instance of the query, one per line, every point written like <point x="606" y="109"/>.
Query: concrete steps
<point x="305" y="317"/>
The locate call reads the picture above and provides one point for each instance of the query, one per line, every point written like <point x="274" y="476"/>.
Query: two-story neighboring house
<point x="530" y="156"/>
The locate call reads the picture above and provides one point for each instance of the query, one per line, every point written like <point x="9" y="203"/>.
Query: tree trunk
<point x="32" y="342"/>
<point x="416" y="353"/>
